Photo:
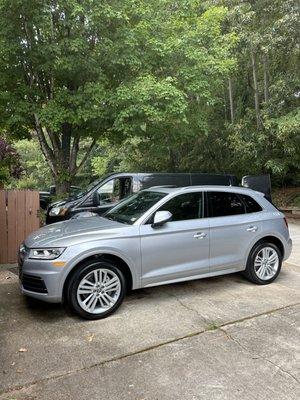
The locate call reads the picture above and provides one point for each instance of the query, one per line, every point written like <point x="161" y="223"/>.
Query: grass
<point x="212" y="326"/>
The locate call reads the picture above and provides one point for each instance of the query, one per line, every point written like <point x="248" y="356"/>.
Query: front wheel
<point x="96" y="290"/>
<point x="264" y="263"/>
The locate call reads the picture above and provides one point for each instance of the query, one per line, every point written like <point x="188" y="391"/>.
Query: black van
<point x="105" y="193"/>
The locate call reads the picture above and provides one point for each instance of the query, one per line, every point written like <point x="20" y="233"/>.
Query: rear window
<point x="251" y="205"/>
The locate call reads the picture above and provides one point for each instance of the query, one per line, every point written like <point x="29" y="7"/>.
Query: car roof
<point x="216" y="188"/>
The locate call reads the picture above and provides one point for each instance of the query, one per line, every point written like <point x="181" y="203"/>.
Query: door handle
<point x="252" y="228"/>
<point x="200" y="235"/>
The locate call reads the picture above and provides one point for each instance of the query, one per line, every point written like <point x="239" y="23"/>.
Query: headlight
<point x="58" y="211"/>
<point x="46" y="254"/>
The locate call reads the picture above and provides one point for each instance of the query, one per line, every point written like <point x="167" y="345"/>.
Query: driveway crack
<point x="188" y="307"/>
<point x="257" y="356"/>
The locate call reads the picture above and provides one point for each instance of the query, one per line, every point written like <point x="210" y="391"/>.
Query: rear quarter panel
<point x="271" y="223"/>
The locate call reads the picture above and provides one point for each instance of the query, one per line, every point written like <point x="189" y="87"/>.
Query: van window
<point x="222" y="204"/>
<point x="114" y="190"/>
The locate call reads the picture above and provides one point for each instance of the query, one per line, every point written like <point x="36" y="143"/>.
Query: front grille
<point x="33" y="283"/>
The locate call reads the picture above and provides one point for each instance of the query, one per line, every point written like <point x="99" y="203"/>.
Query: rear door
<point x="180" y="248"/>
<point x="233" y="226"/>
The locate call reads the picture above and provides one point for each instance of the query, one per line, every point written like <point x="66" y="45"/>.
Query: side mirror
<point x="52" y="190"/>
<point x="96" y="199"/>
<point x="160" y="218"/>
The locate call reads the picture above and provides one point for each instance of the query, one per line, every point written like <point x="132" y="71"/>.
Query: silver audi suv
<point x="157" y="236"/>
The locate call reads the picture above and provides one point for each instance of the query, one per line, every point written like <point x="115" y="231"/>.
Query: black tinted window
<point x="184" y="206"/>
<point x="251" y="204"/>
<point x="225" y="203"/>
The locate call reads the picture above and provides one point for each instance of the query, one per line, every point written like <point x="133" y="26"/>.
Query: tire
<point x="83" y="296"/>
<point x="263" y="272"/>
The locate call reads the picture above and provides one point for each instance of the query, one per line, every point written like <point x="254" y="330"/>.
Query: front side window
<point x="109" y="192"/>
<point x="184" y="206"/>
<point x="222" y="204"/>
<point x="132" y="208"/>
<point x="114" y="190"/>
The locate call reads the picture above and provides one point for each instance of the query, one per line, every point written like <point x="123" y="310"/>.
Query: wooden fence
<point x="18" y="217"/>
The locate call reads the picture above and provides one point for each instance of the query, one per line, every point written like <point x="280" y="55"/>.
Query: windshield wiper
<point x="111" y="217"/>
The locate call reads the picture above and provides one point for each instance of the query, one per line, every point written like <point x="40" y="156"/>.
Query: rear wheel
<point x="96" y="290"/>
<point x="264" y="263"/>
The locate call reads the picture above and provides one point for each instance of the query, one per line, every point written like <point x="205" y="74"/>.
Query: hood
<point x="76" y="231"/>
<point x="66" y="202"/>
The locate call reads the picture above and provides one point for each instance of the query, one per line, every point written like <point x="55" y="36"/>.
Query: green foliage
<point x="268" y="29"/>
<point x="36" y="173"/>
<point x="10" y="167"/>
<point x="78" y="69"/>
<point x="149" y="81"/>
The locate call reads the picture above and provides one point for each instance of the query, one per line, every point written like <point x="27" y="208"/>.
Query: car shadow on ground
<point x="53" y="311"/>
<point x="48" y="312"/>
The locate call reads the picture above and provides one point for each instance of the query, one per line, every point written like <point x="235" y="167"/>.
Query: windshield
<point x="87" y="190"/>
<point x="132" y="208"/>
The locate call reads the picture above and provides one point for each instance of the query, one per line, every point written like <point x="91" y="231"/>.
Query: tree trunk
<point x="62" y="156"/>
<point x="266" y="77"/>
<point x="62" y="188"/>
<point x="231" y="100"/>
<point x="255" y="86"/>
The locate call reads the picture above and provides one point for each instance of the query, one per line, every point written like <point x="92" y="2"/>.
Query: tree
<point x="265" y="88"/>
<point x="9" y="162"/>
<point x="78" y="69"/>
<point x="36" y="173"/>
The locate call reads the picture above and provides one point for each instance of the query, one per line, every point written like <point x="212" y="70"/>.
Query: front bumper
<point x="41" y="280"/>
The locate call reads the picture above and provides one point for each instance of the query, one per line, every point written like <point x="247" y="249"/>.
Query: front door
<point x="109" y="194"/>
<point x="180" y="248"/>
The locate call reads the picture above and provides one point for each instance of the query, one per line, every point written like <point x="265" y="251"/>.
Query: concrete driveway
<point x="218" y="338"/>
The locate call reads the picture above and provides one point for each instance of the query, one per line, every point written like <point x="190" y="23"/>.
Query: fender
<point x="134" y="266"/>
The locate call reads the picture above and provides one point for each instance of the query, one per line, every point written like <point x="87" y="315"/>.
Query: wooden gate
<point x="18" y="217"/>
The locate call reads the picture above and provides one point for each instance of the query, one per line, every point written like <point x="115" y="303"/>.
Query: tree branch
<point x="54" y="139"/>
<point x="74" y="152"/>
<point x="88" y="152"/>
<point x="46" y="149"/>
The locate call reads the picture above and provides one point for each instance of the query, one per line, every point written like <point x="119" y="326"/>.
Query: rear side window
<point x="251" y="205"/>
<point x="222" y="204"/>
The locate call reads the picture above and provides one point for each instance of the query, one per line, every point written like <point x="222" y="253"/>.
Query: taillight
<point x="286" y="223"/>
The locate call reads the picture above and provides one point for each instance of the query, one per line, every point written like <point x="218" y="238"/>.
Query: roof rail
<point x="163" y="186"/>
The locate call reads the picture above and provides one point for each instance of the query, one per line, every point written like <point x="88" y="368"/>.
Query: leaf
<point x="23" y="350"/>
<point x="143" y="127"/>
<point x="90" y="337"/>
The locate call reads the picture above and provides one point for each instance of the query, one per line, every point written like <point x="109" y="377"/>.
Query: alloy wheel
<point x="98" y="291"/>
<point x="266" y="263"/>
